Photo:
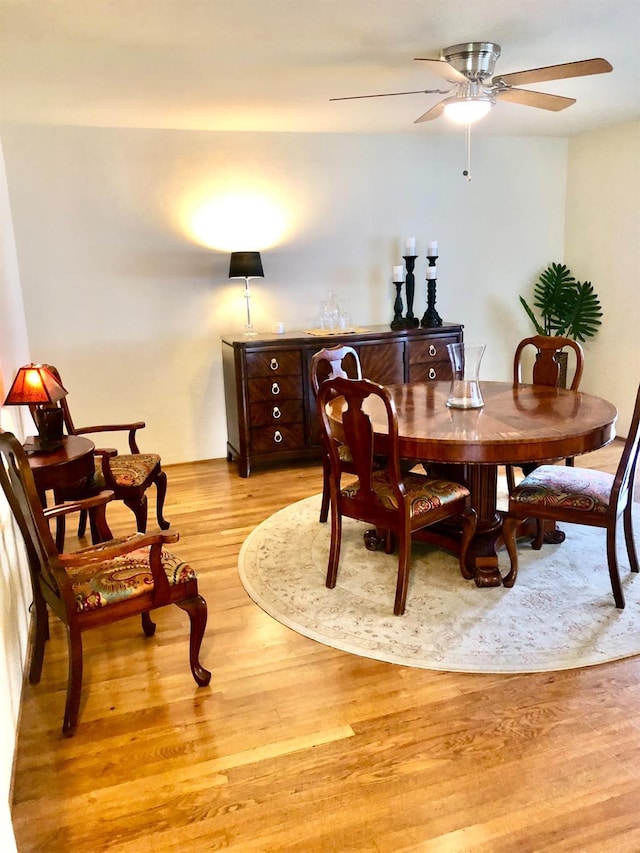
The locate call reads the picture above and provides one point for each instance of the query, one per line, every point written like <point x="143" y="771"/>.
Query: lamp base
<point x="50" y="423"/>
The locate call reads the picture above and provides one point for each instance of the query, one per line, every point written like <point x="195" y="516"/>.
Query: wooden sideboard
<point x="271" y="410"/>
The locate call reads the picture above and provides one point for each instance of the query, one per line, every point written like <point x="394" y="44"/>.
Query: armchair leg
<point x="139" y="509"/>
<point x="100" y="530"/>
<point x="161" y="488"/>
<point x="82" y="523"/>
<point x="148" y="625"/>
<point x="196" y="608"/>
<point x="74" y="685"/>
<point x="61" y="528"/>
<point x="41" y="635"/>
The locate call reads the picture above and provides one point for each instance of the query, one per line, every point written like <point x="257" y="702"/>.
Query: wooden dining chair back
<point x="549" y="368"/>
<point x="580" y="496"/>
<point x="127" y="475"/>
<point x="547" y="364"/>
<point x="332" y="363"/>
<point x="383" y="496"/>
<point x="96" y="585"/>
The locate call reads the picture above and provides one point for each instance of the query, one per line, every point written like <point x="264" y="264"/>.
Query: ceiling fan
<point x="469" y="67"/>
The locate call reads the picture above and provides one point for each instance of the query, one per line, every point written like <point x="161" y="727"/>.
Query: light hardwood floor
<point x="301" y="748"/>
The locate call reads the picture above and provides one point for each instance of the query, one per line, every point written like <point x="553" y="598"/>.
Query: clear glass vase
<point x="465" y="390"/>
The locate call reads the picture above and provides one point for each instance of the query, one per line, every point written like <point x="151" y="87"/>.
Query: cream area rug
<point x="559" y="615"/>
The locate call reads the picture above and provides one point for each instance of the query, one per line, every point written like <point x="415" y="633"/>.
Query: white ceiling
<point x="273" y="64"/>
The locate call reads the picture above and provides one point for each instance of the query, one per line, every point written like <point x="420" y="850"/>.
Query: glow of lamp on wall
<point x="233" y="221"/>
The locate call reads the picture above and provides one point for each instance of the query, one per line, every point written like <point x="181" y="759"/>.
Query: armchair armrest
<point x="95" y="506"/>
<point x="118" y="547"/>
<point x="131" y="428"/>
<point x="105" y="454"/>
<point x="65" y="508"/>
<point x="125" y="545"/>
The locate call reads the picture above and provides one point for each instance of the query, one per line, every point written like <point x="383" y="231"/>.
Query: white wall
<point x="122" y="297"/>
<point x="15" y="592"/>
<point x="130" y="305"/>
<point x="603" y="247"/>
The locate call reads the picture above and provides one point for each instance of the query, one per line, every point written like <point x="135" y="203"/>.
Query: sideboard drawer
<point x="382" y="363"/>
<point x="283" y="363"/>
<point x="278" y="412"/>
<point x="275" y="388"/>
<point x="277" y="438"/>
<point x="435" y="371"/>
<point x="424" y="352"/>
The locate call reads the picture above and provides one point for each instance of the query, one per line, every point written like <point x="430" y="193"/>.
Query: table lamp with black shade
<point x="246" y="265"/>
<point x="35" y="386"/>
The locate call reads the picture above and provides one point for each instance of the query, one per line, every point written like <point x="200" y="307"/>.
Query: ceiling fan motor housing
<point x="475" y="59"/>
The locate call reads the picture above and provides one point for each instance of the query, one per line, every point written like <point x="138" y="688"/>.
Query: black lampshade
<point x="245" y="265"/>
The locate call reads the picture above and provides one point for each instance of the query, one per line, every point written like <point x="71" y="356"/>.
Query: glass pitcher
<point x="331" y="313"/>
<point x="465" y="368"/>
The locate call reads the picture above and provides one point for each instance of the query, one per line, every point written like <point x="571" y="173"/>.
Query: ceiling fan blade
<point x="542" y="100"/>
<point x="556" y="72"/>
<point x="443" y="69"/>
<point x="392" y="94"/>
<point x="434" y="112"/>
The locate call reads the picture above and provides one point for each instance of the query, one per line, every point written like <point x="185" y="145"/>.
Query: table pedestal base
<point x="481" y="564"/>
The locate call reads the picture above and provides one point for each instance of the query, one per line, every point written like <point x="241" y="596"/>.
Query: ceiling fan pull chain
<point x="467" y="140"/>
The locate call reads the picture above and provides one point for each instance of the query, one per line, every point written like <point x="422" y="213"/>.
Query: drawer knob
<point x="432" y="350"/>
<point x="277" y="436"/>
<point x="276" y="412"/>
<point x="273" y="364"/>
<point x="275" y="388"/>
<point x="432" y="373"/>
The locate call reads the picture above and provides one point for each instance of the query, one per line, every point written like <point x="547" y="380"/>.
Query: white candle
<point x="398" y="273"/>
<point x="410" y="246"/>
<point x="431" y="273"/>
<point x="432" y="249"/>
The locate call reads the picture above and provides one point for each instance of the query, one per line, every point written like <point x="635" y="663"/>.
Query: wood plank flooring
<point x="301" y="748"/>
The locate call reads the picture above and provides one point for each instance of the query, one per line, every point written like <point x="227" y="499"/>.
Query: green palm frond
<point x="568" y="308"/>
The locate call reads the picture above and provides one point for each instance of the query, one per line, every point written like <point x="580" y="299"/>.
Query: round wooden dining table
<point x="517" y="424"/>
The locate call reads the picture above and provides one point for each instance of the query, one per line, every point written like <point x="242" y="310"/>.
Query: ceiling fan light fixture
<point x="467" y="110"/>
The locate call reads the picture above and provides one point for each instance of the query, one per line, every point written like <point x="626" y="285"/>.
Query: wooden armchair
<point x="128" y="476"/>
<point x="393" y="501"/>
<point x="580" y="496"/>
<point x="97" y="585"/>
<point x="546" y="370"/>
<point x="330" y="363"/>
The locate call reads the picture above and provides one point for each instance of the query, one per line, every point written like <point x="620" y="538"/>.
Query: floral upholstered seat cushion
<point x="424" y="494"/>
<point x="129" y="470"/>
<point x="566" y="488"/>
<point x="97" y="585"/>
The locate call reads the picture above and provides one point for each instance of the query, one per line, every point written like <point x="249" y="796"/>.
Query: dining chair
<point x="127" y="475"/>
<point x="331" y="363"/>
<point x="580" y="496"/>
<point x="98" y="585"/>
<point x="549" y="368"/>
<point x="398" y="502"/>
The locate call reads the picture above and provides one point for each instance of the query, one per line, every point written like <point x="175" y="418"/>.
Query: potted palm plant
<point x="568" y="308"/>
